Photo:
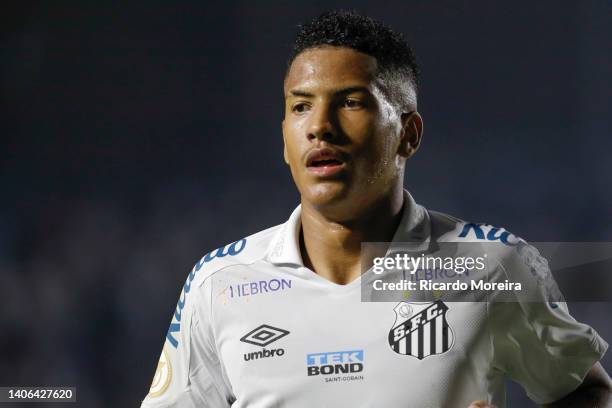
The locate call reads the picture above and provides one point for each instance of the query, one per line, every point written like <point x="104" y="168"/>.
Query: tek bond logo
<point x="336" y="363"/>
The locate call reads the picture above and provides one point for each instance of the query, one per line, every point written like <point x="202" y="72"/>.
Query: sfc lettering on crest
<point x="421" y="329"/>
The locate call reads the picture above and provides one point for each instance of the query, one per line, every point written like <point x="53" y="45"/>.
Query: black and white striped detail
<point x="424" y="333"/>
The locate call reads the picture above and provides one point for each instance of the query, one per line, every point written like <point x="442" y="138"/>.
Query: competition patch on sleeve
<point x="163" y="375"/>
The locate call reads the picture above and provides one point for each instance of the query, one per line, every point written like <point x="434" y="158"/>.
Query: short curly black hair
<point x="395" y="58"/>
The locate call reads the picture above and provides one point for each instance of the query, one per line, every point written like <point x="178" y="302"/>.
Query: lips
<point x="323" y="157"/>
<point x="325" y="161"/>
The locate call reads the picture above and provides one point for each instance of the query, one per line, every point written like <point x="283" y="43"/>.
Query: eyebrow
<point x="347" y="90"/>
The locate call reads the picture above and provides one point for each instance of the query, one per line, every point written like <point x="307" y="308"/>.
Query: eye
<point x="352" y="104"/>
<point x="300" y="107"/>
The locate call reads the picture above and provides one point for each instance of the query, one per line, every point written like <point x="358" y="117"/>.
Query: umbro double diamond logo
<point x="263" y="336"/>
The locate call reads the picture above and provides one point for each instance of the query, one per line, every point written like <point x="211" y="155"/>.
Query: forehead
<point x="330" y="67"/>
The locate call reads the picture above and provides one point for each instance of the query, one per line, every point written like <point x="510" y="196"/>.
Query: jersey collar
<point x="285" y="248"/>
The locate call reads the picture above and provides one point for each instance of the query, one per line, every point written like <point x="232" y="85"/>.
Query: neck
<point x="332" y="248"/>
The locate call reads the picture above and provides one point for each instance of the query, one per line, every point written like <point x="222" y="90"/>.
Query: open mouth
<point x="325" y="162"/>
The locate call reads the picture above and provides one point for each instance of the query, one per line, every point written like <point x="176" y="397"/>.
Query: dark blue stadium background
<point x="137" y="136"/>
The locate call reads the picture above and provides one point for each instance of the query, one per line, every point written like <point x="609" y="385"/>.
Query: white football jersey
<point x="255" y="328"/>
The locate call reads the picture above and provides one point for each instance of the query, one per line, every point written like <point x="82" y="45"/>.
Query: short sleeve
<point x="535" y="340"/>
<point x="189" y="373"/>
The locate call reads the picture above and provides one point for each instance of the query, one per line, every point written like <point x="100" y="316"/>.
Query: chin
<point x="325" y="194"/>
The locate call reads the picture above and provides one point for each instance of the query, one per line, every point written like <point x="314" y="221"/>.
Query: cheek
<point x="289" y="139"/>
<point x="294" y="153"/>
<point x="377" y="142"/>
<point x="294" y="148"/>
<point x="380" y="152"/>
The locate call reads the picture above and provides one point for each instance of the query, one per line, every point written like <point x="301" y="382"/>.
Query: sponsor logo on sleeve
<point x="489" y="233"/>
<point x="175" y="325"/>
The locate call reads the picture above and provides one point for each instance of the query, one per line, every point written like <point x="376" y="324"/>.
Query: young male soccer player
<point x="276" y="319"/>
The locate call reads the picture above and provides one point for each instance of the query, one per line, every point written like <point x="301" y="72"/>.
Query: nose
<point x="321" y="124"/>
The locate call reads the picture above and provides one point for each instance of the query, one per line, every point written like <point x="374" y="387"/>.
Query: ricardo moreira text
<point x="424" y="268"/>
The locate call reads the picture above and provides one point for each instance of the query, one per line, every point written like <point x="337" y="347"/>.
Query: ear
<point x="411" y="134"/>
<point x="285" y="154"/>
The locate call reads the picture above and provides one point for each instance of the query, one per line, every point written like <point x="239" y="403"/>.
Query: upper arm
<point x="536" y="341"/>
<point x="189" y="372"/>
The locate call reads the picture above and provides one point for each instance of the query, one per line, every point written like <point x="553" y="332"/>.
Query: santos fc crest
<point x="420" y="329"/>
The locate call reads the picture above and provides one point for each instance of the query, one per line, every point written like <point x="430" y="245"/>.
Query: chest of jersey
<point x="284" y="340"/>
